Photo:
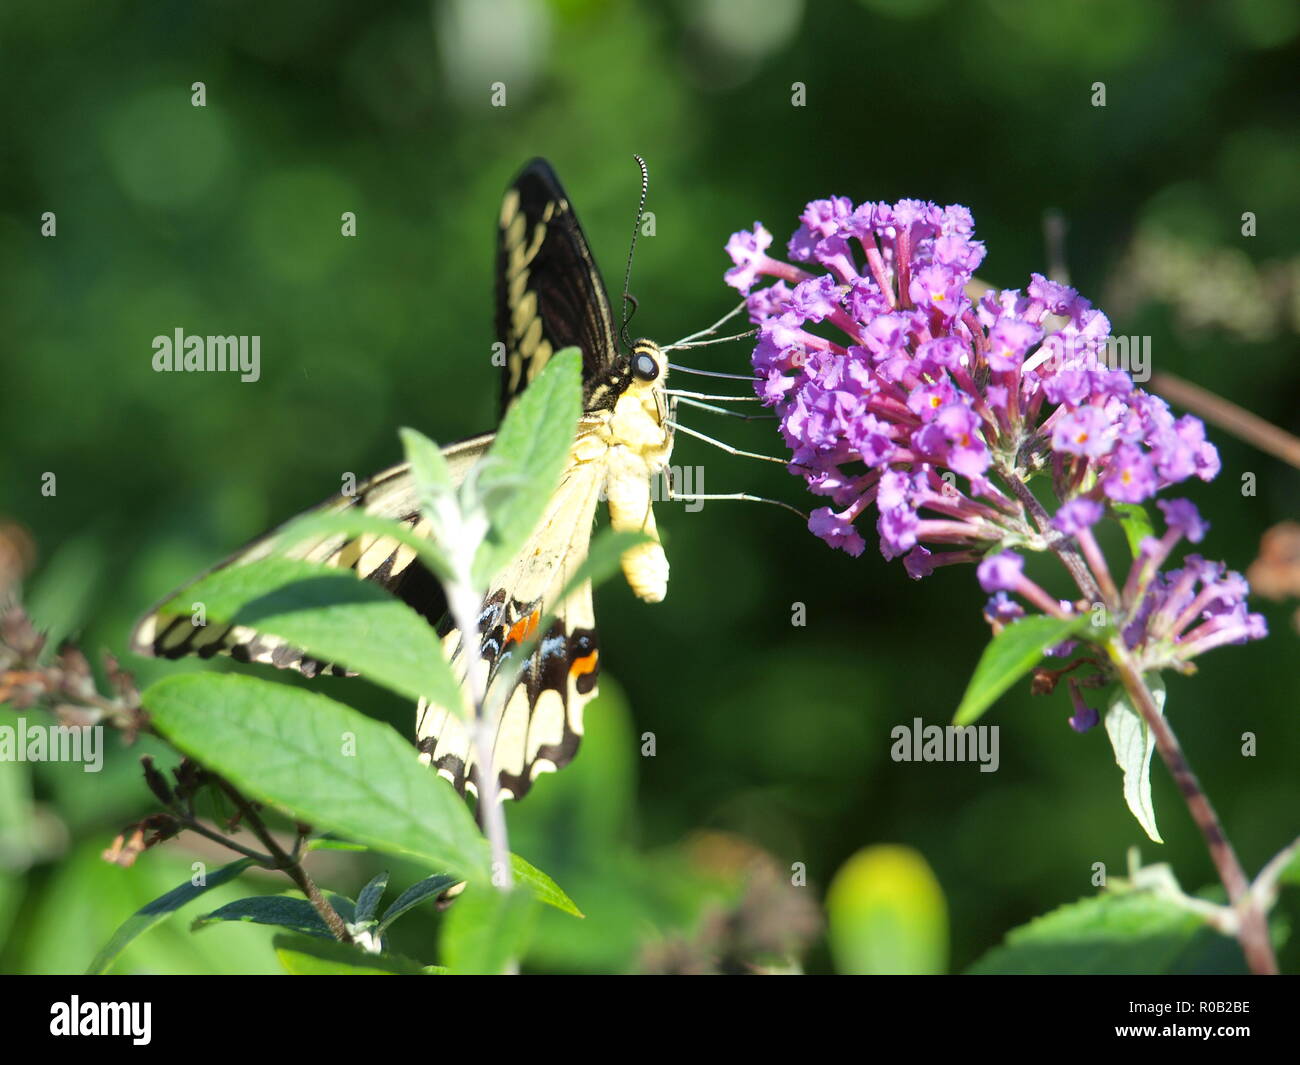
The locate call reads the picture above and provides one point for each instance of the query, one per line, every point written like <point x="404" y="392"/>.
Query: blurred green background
<point x="771" y="737"/>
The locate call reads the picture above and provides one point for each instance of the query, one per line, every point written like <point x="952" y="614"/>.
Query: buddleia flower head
<point x="912" y="402"/>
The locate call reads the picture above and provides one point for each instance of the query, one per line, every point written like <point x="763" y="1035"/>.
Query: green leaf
<point x="485" y="930"/>
<point x="1114" y="934"/>
<point x="1009" y="656"/>
<point x="368" y="900"/>
<point x="435" y="490"/>
<point x="1290" y="873"/>
<point x="1136" y="523"/>
<point x="159" y="910"/>
<point x="428" y="466"/>
<point x="332" y="615"/>
<point x="324" y="843"/>
<point x="430" y="887"/>
<point x="352" y="522"/>
<point x="887" y="915"/>
<point x="286" y="911"/>
<point x="304" y="956"/>
<point x="1134" y="744"/>
<point x="527" y="457"/>
<point x="544" y="889"/>
<point x="323" y="762"/>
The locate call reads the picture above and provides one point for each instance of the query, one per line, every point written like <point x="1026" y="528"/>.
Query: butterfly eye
<point x="645" y="367"/>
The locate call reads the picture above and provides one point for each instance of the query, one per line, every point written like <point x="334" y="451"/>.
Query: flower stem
<point x="1252" y="930"/>
<point x="1071" y="558"/>
<point x="290" y="864"/>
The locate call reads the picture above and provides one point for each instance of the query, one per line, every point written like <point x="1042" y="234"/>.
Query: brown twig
<point x="1229" y="417"/>
<point x="1252" y="929"/>
<point x="291" y="866"/>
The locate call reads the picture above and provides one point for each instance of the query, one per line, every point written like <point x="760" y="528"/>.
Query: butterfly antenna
<point x="628" y="299"/>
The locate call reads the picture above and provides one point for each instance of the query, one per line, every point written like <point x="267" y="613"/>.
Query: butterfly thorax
<point x="633" y="441"/>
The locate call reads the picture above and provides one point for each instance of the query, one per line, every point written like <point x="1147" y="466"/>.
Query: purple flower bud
<point x="1077" y="515"/>
<point x="1001" y="609"/>
<point x="837" y="532"/>
<point x="747" y="249"/>
<point x="1009" y="341"/>
<point x="1057" y="298"/>
<point x="1182" y="515"/>
<point x="1084" y="431"/>
<point x="1130" y="476"/>
<point x="1084" y="717"/>
<point x="919" y="563"/>
<point x="1001" y="572"/>
<point x="816" y="299"/>
<point x="823" y="218"/>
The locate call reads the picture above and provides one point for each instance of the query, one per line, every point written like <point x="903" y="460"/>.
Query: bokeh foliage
<point x="225" y="220"/>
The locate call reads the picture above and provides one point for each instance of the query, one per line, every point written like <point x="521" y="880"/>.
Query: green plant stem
<point x="1252" y="927"/>
<point x="464" y="607"/>
<point x="193" y="825"/>
<point x="1071" y="558"/>
<point x="292" y="868"/>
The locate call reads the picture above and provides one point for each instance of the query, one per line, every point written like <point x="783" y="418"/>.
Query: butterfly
<point x="549" y="296"/>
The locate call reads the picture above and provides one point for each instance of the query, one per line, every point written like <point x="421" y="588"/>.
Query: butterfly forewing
<point x="549" y="291"/>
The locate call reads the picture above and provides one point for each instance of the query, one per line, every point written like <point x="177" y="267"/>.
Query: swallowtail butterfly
<point x="549" y="295"/>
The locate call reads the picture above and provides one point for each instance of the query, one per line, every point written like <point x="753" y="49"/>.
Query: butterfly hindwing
<point x="540" y="726"/>
<point x="549" y="292"/>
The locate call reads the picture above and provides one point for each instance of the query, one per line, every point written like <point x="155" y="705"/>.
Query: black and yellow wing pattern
<point x="390" y="494"/>
<point x="549" y="292"/>
<point x="549" y="296"/>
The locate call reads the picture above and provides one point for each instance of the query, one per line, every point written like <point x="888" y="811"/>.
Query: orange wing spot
<point x="584" y="665"/>
<point x="524" y="628"/>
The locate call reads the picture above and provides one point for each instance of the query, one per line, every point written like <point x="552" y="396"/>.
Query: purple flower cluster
<point x="895" y="387"/>
<point x="907" y="385"/>
<point x="1167" y="617"/>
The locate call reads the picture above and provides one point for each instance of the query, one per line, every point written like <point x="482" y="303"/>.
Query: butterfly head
<point x="648" y="365"/>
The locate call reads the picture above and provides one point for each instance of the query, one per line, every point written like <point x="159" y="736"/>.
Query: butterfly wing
<point x="549" y="291"/>
<point x="390" y="494"/>
<point x="538" y="722"/>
